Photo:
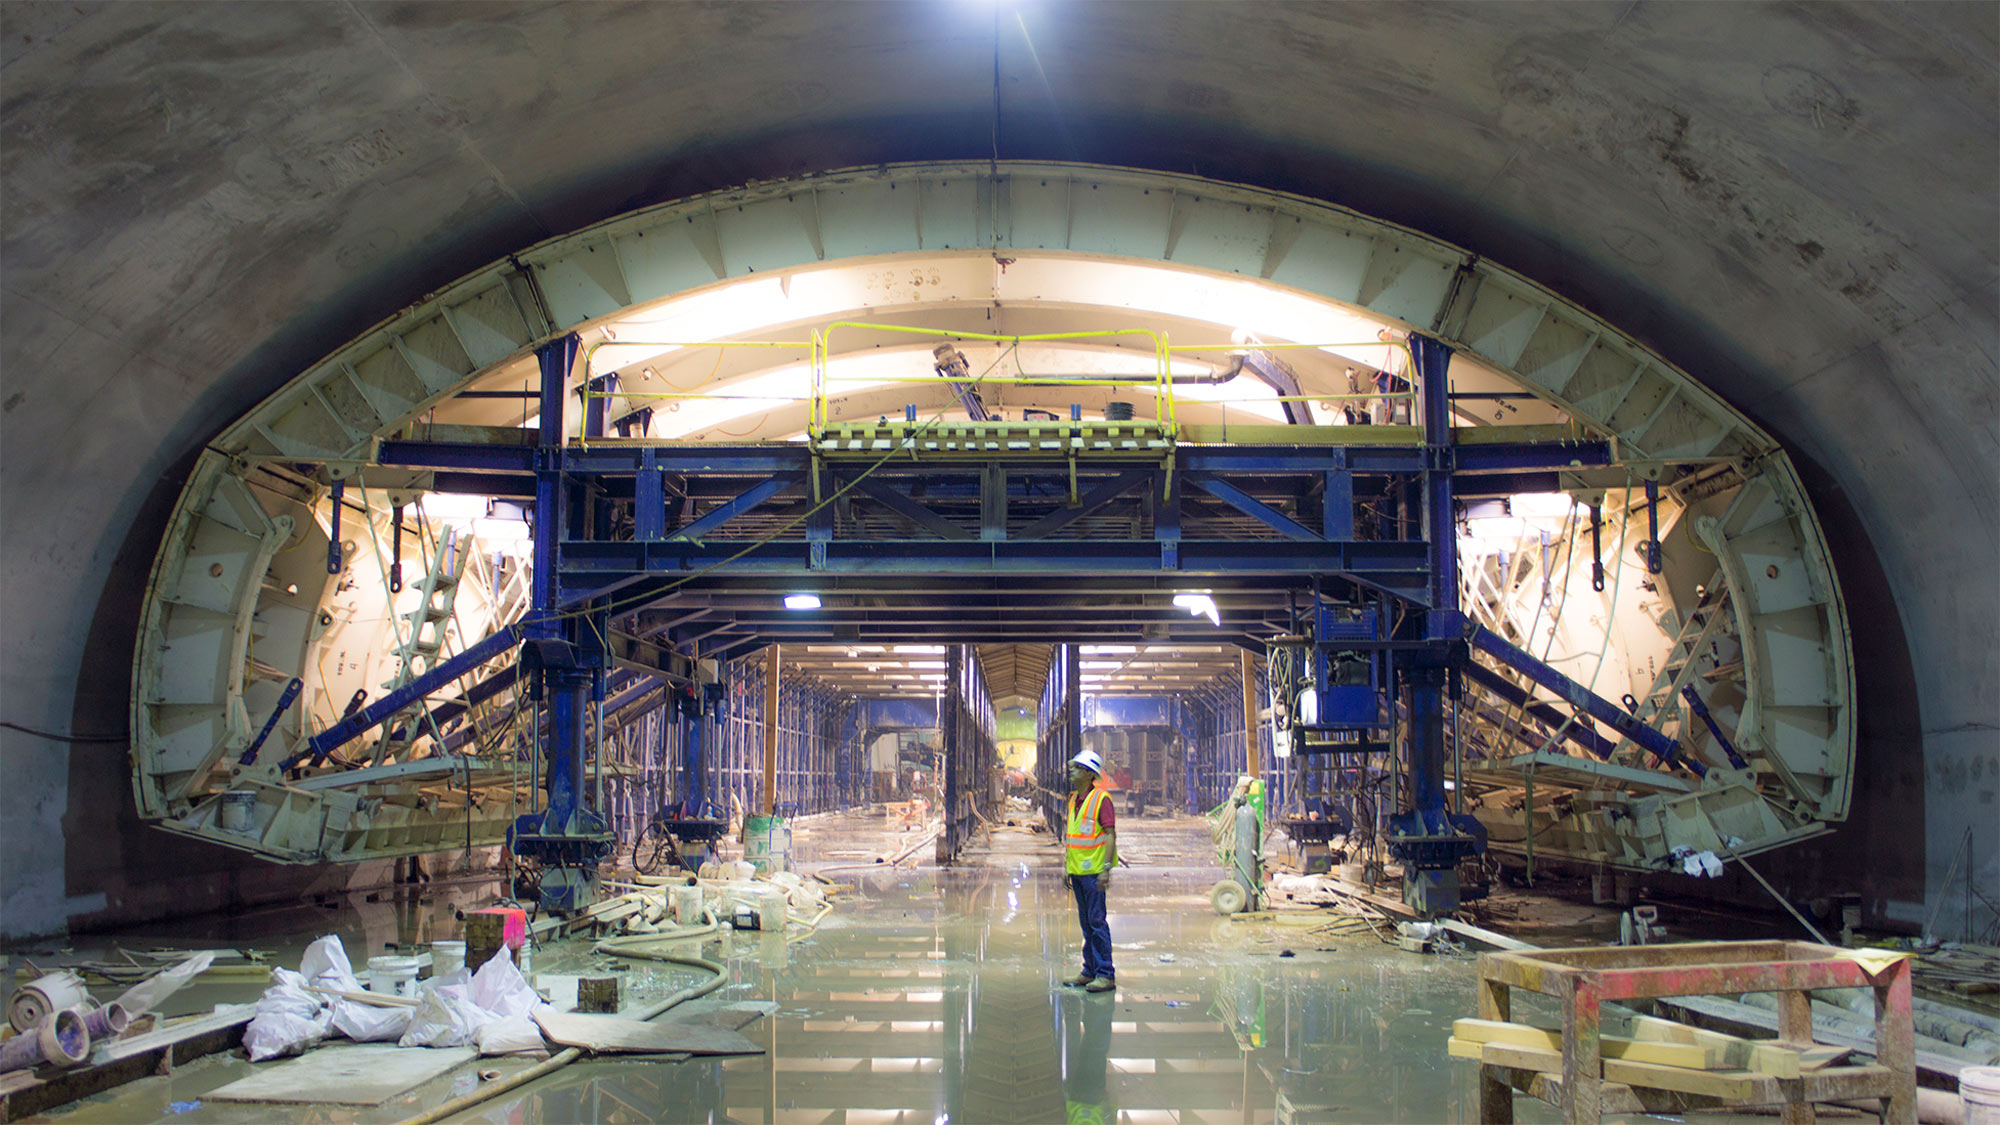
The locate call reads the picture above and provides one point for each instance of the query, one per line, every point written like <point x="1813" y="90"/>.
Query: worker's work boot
<point x="1077" y="981"/>
<point x="1101" y="984"/>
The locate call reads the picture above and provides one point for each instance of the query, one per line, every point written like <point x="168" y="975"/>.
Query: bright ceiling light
<point x="454" y="507"/>
<point x="494" y="530"/>
<point x="920" y="650"/>
<point x="1541" y="505"/>
<point x="801" y="601"/>
<point x="924" y="664"/>
<point x="1199" y="605"/>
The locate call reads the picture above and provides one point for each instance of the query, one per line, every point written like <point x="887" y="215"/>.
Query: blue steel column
<point x="1428" y="839"/>
<point x="566" y="838"/>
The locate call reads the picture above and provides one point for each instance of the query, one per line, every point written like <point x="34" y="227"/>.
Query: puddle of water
<point x="932" y="995"/>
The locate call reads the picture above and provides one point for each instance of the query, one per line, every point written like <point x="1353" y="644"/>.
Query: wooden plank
<point x="1689" y="1055"/>
<point x="157" y="1052"/>
<point x="1729" y="1085"/>
<point x="1733" y="1053"/>
<point x="617" y="1035"/>
<point x="360" y="1074"/>
<point x="1732" y="1013"/>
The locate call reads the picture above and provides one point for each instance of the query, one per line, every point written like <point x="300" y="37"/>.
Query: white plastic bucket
<point x="687" y="905"/>
<point x="393" y="976"/>
<point x="447" y="957"/>
<point x="769" y="902"/>
<point x="1979" y="1093"/>
<point x="239" y="811"/>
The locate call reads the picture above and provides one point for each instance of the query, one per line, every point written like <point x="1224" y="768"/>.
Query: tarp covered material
<point x="451" y="1012"/>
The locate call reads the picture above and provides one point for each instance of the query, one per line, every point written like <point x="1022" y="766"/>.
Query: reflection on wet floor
<point x="932" y="995"/>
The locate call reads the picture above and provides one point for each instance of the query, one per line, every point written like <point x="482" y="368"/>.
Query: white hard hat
<point x="1089" y="760"/>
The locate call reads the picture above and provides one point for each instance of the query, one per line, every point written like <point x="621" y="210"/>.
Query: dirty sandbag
<point x="445" y="1017"/>
<point x="325" y="965"/>
<point x="149" y="994"/>
<point x="367" y="1023"/>
<point x="288" y="1018"/>
<point x="510" y="1035"/>
<point x="500" y="988"/>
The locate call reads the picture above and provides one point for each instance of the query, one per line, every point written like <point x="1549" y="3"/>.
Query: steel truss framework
<point x="1253" y="525"/>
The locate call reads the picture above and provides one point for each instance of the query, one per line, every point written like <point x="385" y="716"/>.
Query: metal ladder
<point x="1662" y="704"/>
<point x="429" y="625"/>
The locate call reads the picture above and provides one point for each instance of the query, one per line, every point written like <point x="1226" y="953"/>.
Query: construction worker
<point x="1090" y="852"/>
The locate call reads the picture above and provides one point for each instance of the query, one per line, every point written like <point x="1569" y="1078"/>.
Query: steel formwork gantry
<point x="625" y="525"/>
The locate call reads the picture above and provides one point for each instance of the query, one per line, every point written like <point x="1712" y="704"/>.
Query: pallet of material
<point x="1727" y="1087"/>
<point x="25" y="1092"/>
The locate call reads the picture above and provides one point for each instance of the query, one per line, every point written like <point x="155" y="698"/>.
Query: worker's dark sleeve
<point x="1106" y="815"/>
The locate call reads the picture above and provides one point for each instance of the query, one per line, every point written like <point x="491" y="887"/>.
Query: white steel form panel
<point x="192" y="702"/>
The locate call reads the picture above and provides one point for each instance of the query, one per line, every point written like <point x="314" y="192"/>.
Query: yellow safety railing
<point x="819" y="353"/>
<point x="590" y="354"/>
<point x="1161" y="380"/>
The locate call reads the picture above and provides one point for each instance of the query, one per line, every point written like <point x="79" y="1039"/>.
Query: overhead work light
<point x="801" y="601"/>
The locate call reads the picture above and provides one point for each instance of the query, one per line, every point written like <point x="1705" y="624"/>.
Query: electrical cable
<point x="54" y="737"/>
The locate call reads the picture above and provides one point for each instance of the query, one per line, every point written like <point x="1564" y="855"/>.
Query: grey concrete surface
<point x="1794" y="202"/>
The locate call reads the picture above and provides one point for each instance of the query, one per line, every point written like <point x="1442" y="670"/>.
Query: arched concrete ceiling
<point x="1794" y="202"/>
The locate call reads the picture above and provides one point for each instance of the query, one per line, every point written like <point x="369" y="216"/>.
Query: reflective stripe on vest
<point x="1089" y="845"/>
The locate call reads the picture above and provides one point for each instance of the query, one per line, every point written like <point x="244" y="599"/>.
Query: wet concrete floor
<point x="932" y="995"/>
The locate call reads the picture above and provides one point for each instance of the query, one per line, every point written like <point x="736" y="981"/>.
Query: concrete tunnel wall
<point x="1794" y="203"/>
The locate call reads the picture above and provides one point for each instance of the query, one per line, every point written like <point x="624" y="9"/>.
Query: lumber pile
<point x="1657" y="1055"/>
<point x="1959" y="969"/>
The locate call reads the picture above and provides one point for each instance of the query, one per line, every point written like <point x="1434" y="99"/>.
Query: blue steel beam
<point x="1089" y="502"/>
<point x="746" y="500"/>
<point x="350" y="728"/>
<point x="776" y="457"/>
<point x="1397" y="565"/>
<point x="1581" y="732"/>
<point x="1701" y="710"/>
<point x="1251" y="506"/>
<point x="911" y="510"/>
<point x="1663" y="749"/>
<point x="1501" y="456"/>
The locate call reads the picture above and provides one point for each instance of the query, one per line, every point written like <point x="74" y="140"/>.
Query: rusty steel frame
<point x="1583" y="980"/>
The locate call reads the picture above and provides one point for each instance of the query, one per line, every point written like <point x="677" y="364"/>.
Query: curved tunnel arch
<point x="200" y="201"/>
<point x="1795" y="719"/>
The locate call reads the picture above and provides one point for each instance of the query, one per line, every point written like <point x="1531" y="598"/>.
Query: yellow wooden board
<point x="1733" y="1053"/>
<point x="1728" y="1085"/>
<point x="1692" y="1056"/>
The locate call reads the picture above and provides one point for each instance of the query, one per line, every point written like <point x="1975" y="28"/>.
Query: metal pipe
<point x="771" y="732"/>
<point x="333" y="528"/>
<point x="1528" y="818"/>
<point x="1253" y="760"/>
<point x="1596" y="548"/>
<point x="1652" y="527"/>
<point x="396" y="549"/>
<point x="61" y="1039"/>
<point x="108" y="1022"/>
<point x="597" y="744"/>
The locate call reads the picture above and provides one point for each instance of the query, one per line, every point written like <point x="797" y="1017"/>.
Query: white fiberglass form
<point x="808" y="282"/>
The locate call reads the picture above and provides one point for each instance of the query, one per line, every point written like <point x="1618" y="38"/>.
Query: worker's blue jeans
<point x="1096" y="929"/>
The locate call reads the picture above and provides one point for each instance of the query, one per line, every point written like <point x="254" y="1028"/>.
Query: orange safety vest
<point x="1089" y="845"/>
